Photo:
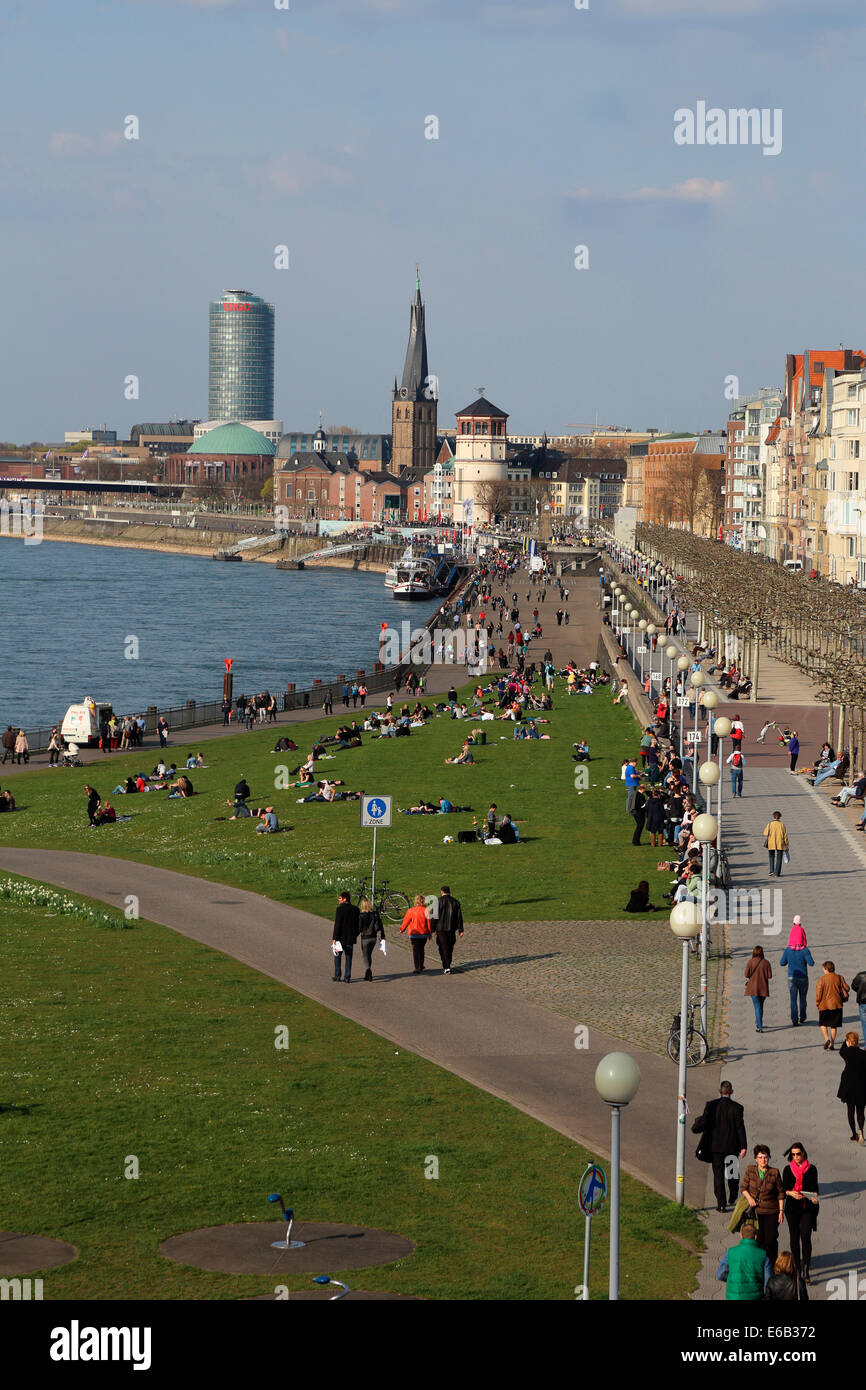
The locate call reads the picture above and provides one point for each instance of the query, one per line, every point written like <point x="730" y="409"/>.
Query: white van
<point x="81" y="723"/>
<point x="792" y="566"/>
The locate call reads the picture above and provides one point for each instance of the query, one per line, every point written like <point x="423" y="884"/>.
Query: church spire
<point x="415" y="372"/>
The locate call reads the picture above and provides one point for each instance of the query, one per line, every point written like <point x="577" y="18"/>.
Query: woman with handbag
<point x="763" y="1190"/>
<point x="372" y="931"/>
<point x="758" y="972"/>
<point x="831" y="992"/>
<point x="800" y="1184"/>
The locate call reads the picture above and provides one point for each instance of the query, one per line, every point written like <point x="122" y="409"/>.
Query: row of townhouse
<point x="795" y="477"/>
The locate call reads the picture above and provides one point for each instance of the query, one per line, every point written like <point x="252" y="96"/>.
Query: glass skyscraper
<point x="241" y="376"/>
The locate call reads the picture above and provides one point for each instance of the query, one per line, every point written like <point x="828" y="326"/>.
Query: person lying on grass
<point x="327" y="791"/>
<point x="7" y="801"/>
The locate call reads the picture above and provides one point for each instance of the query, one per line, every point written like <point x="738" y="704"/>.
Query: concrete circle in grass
<point x="246" y="1248"/>
<point x="324" y="1295"/>
<point x="23" y="1254"/>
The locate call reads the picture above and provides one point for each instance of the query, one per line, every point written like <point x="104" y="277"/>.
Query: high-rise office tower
<point x="241" y="376"/>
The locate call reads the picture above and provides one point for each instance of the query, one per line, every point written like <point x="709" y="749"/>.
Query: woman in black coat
<point x="852" y="1086"/>
<point x="92" y="803"/>
<point x="800" y="1185"/>
<point x="655" y="818"/>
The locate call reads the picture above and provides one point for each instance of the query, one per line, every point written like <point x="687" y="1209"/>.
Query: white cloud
<point x="294" y="174"/>
<point x="690" y="191"/>
<point x="67" y="145"/>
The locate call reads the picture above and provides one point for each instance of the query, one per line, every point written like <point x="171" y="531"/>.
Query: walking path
<point x="785" y="1079"/>
<point x="497" y="1041"/>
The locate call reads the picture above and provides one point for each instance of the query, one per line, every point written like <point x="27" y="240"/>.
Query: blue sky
<point x="306" y="127"/>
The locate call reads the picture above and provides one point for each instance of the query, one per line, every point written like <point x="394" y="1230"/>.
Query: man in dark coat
<point x="347" y="924"/>
<point x="449" y="924"/>
<point x="723" y="1132"/>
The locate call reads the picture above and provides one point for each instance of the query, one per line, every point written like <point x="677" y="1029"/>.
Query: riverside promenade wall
<point x="176" y="540"/>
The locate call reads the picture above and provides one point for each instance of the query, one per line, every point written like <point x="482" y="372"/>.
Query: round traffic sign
<point x="592" y="1190"/>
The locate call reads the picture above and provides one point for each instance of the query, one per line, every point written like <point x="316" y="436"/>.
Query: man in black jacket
<point x="449" y="924"/>
<point x="723" y="1132"/>
<point x="347" y="924"/>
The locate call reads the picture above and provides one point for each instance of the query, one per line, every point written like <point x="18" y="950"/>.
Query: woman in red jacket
<point x="417" y="924"/>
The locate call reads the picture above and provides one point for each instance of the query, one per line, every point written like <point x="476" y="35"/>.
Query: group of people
<point x="250" y="710"/>
<point x="441" y="917"/>
<point x="15" y="745"/>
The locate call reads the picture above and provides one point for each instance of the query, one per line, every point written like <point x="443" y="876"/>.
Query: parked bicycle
<point x="696" y="1042"/>
<point x="391" y="905"/>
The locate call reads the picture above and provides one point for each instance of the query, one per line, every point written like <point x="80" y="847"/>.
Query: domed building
<point x="233" y="456"/>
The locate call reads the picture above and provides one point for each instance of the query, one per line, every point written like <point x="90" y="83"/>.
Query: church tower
<point x="414" y="401"/>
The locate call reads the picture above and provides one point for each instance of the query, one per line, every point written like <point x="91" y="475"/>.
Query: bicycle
<point x="696" y="1042"/>
<point x="392" y="906"/>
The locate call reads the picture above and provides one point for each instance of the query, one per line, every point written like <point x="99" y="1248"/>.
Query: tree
<point x="494" y="497"/>
<point x="267" y="492"/>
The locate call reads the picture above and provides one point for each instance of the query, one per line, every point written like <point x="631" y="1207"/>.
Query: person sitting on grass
<point x="7" y="801"/>
<point x="240" y="809"/>
<point x="639" y="899"/>
<point x="508" y="832"/>
<point x="465" y="756"/>
<point x="105" y="814"/>
<point x="126" y="788"/>
<point x="182" y="787"/>
<point x="268" y="823"/>
<point x="195" y="760"/>
<point x="285" y="745"/>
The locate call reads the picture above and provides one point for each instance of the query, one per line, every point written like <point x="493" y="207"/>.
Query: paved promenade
<point x="785" y="1079"/>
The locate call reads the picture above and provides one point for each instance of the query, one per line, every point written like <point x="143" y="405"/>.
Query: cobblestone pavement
<point x="620" y="977"/>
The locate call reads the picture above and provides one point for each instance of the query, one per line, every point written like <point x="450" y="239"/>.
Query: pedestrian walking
<point x="798" y="958"/>
<point x="831" y="992"/>
<point x="347" y="694"/>
<point x="776" y="843"/>
<point x="163" y="730"/>
<point x="8" y="742"/>
<point x="722" y="1129"/>
<point x="763" y="1190"/>
<point x="785" y="1284"/>
<point x="55" y="746"/>
<point x="745" y="1268"/>
<point x="347" y="924"/>
<point x="858" y="984"/>
<point x="328" y="702"/>
<point x="758" y="972"/>
<point x="800" y="1185"/>
<point x="417" y="924"/>
<point x="226" y="708"/>
<point x="22" y="747"/>
<point x="372" y="931"/>
<point x="362" y="694"/>
<point x="794" y="751"/>
<point x="449" y="925"/>
<point x="738" y="733"/>
<point x="852" y="1085"/>
<point x="737" y="761"/>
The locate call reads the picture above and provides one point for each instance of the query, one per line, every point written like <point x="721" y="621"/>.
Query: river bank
<point x="172" y="540"/>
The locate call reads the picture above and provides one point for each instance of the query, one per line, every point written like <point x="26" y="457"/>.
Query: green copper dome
<point x="232" y="438"/>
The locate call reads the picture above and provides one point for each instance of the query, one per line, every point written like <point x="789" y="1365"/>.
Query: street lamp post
<point x="685" y="925"/>
<point x="683" y="665"/>
<point x="698" y="678"/>
<point x="721" y="729"/>
<point x="642" y="627"/>
<point x="651" y="631"/>
<point x="670" y="653"/>
<point x="705" y="828"/>
<point x="617" y="1078"/>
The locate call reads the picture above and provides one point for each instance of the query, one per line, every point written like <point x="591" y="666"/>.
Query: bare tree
<point x="494" y="496"/>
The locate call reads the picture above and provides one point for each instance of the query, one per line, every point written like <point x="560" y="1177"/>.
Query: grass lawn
<point x="136" y="1041"/>
<point x="577" y="861"/>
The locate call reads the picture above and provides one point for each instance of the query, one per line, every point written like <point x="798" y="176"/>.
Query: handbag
<point x="766" y="842"/>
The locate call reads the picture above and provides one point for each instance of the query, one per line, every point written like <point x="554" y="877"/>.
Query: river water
<point x="71" y="612"/>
